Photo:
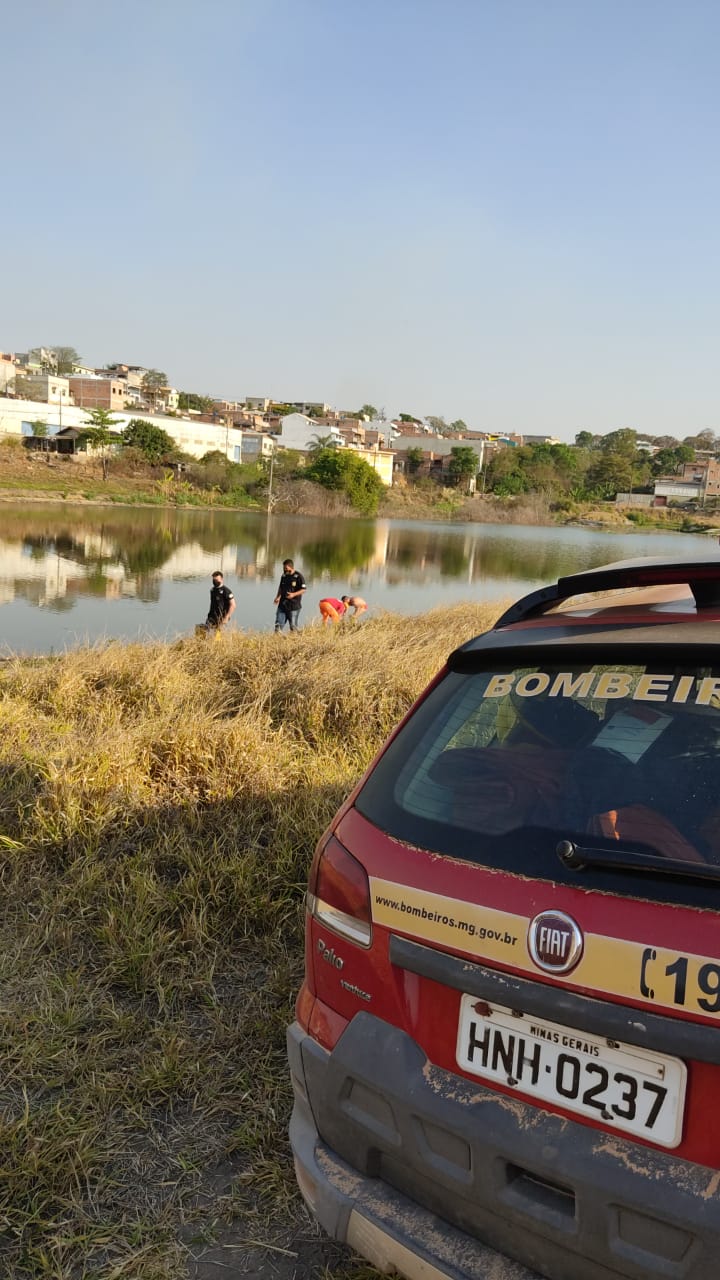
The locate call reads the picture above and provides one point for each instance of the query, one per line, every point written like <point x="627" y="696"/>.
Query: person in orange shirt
<point x="331" y="609"/>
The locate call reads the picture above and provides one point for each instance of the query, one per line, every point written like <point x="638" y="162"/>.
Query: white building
<point x="297" y="431"/>
<point x="49" y="388"/>
<point x="38" y="360"/>
<point x="8" y="370"/>
<point x="190" y="436"/>
<point x="251" y="446"/>
<point x="169" y="398"/>
<point x="317" y="407"/>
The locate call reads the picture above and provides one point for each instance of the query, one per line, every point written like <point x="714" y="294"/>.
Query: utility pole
<point x="272" y="461"/>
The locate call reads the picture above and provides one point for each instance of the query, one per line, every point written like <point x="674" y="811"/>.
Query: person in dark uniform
<point x="222" y="603"/>
<point x="289" y="596"/>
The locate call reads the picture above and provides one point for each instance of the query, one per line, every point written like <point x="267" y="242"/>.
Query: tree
<point x="703" y="440"/>
<point x="459" y="426"/>
<point x="616" y="465"/>
<point x="153" y="381"/>
<point x="40" y="431"/>
<point x="215" y="458"/>
<point x="554" y="468"/>
<point x="584" y="439"/>
<point x="414" y="459"/>
<point x="326" y="468"/>
<point x="191" y="400"/>
<point x="154" y="443"/>
<point x="668" y="461"/>
<point x="66" y="357"/>
<point x="623" y="441"/>
<point x="99" y="433"/>
<point x="463" y="463"/>
<point x="610" y="474"/>
<point x="408" y="417"/>
<point x="550" y="469"/>
<point x="346" y="471"/>
<point x="505" y="473"/>
<point x="439" y="425"/>
<point x="369" y="411"/>
<point x="363" y="485"/>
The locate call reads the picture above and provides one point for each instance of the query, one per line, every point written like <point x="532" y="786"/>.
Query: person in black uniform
<point x="289" y="597"/>
<point x="222" y="603"/>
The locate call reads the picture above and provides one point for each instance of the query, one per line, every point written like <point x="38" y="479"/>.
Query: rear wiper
<point x="578" y="857"/>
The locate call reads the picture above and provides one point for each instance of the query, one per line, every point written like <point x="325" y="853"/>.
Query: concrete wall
<point x="634" y="499"/>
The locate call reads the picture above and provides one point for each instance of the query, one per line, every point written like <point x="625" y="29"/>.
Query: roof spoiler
<point x="702" y="577"/>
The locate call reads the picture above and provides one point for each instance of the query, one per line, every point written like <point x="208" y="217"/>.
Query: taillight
<point x="339" y="894"/>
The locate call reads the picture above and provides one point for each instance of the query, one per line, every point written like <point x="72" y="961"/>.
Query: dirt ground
<point x="302" y="1255"/>
<point x="291" y="1246"/>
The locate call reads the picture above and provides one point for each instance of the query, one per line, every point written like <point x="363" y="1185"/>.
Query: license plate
<point x="619" y="1085"/>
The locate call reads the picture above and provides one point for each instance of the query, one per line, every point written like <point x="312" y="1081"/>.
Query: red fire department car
<point x="506" y="1053"/>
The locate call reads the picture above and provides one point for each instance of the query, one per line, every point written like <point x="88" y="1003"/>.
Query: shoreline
<point x="404" y="504"/>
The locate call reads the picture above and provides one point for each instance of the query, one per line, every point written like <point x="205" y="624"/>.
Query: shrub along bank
<point x="159" y="806"/>
<point x="334" y="484"/>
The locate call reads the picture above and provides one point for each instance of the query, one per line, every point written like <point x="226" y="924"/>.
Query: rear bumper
<point x="387" y="1228"/>
<point x="431" y="1175"/>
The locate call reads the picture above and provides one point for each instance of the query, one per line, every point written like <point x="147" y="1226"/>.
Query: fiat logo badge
<point x="555" y="942"/>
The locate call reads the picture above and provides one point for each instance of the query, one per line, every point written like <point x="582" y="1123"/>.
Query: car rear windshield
<point x="499" y="766"/>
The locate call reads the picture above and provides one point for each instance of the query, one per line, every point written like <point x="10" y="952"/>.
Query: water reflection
<point x="117" y="571"/>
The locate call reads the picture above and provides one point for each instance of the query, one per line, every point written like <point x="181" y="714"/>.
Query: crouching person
<point x="331" y="610"/>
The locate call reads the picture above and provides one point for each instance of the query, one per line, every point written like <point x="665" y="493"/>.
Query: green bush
<point x="153" y="443"/>
<point x="344" y="471"/>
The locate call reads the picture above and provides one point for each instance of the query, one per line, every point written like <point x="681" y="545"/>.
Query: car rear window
<point x="500" y="766"/>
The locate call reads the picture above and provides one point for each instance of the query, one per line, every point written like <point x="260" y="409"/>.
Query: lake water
<point x="70" y="574"/>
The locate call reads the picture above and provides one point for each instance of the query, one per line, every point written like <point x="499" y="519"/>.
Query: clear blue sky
<point x="500" y="210"/>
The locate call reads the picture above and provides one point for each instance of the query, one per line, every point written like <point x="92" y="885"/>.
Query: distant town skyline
<point x="504" y="213"/>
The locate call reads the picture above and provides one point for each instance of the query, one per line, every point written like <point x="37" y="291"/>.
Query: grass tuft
<point x="159" y="806"/>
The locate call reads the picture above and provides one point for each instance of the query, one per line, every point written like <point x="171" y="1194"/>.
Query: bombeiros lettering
<point x="704" y="691"/>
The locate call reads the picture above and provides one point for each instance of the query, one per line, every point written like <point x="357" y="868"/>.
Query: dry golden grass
<point x="159" y="805"/>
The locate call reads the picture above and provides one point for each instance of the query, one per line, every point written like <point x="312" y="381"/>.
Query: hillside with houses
<point x="53" y="401"/>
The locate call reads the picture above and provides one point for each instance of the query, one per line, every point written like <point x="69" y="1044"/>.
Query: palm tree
<point x="318" y="442"/>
